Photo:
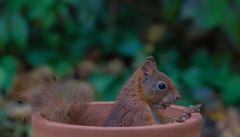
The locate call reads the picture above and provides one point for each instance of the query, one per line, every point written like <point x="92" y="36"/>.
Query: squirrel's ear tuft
<point x="148" y="66"/>
<point x="151" y="58"/>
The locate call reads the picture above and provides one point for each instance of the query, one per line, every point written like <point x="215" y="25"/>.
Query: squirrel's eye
<point x="162" y="85"/>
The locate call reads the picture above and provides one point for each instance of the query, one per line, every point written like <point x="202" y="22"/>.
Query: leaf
<point x="221" y="70"/>
<point x="108" y="85"/>
<point x="107" y="40"/>
<point x="10" y="63"/>
<point x="192" y="77"/>
<point x="36" y="11"/>
<point x="62" y="67"/>
<point x="170" y="9"/>
<point x="40" y="56"/>
<point x="231" y="25"/>
<point x="19" y="30"/>
<point x="231" y="90"/>
<point x="48" y="20"/>
<point x="3" y="31"/>
<point x="88" y="11"/>
<point x="14" y="5"/>
<point x="53" y="40"/>
<point x="201" y="58"/>
<point x="130" y="46"/>
<point x="206" y="14"/>
<point x="42" y="13"/>
<point x="101" y="81"/>
<point x="2" y="77"/>
<point x="7" y="70"/>
<point x="78" y="48"/>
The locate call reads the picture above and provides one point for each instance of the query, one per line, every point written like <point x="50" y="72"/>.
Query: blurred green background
<point x="101" y="42"/>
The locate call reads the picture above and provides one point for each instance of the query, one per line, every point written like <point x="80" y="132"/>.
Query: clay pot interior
<point x="45" y="128"/>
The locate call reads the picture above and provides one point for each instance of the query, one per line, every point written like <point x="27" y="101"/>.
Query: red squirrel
<point x="146" y="91"/>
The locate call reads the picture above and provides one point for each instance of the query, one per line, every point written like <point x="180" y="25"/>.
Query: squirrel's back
<point x="129" y="109"/>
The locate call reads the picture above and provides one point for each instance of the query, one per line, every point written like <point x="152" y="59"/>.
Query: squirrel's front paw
<point x="186" y="114"/>
<point x="194" y="108"/>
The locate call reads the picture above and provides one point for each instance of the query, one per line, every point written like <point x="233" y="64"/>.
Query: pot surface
<point x="45" y="128"/>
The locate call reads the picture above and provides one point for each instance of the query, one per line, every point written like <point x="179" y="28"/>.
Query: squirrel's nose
<point x="177" y="95"/>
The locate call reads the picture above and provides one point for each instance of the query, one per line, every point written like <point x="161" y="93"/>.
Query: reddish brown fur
<point x="56" y="101"/>
<point x="23" y="81"/>
<point x="132" y="108"/>
<point x="129" y="107"/>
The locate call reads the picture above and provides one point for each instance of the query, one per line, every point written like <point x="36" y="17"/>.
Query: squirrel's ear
<point x="148" y="66"/>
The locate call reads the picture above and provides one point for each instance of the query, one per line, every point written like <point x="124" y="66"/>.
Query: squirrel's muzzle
<point x="171" y="97"/>
<point x="177" y="95"/>
<point x="167" y="100"/>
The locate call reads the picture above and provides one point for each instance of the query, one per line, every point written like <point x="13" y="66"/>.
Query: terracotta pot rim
<point x="196" y="118"/>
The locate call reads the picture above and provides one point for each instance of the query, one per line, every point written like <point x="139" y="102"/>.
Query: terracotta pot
<point x="45" y="128"/>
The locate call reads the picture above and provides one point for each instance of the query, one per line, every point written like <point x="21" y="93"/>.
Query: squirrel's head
<point x="158" y="89"/>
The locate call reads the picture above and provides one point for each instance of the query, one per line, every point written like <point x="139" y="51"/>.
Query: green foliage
<point x="18" y="30"/>
<point x="3" y="32"/>
<point x="131" y="45"/>
<point x="212" y="14"/>
<point x="40" y="56"/>
<point x="199" y="46"/>
<point x="8" y="66"/>
<point x="195" y="42"/>
<point x="231" y="88"/>
<point x="171" y="9"/>
<point x="207" y="14"/>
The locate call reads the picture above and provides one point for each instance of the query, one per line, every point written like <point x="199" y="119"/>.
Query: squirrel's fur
<point x="139" y="98"/>
<point x="61" y="102"/>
